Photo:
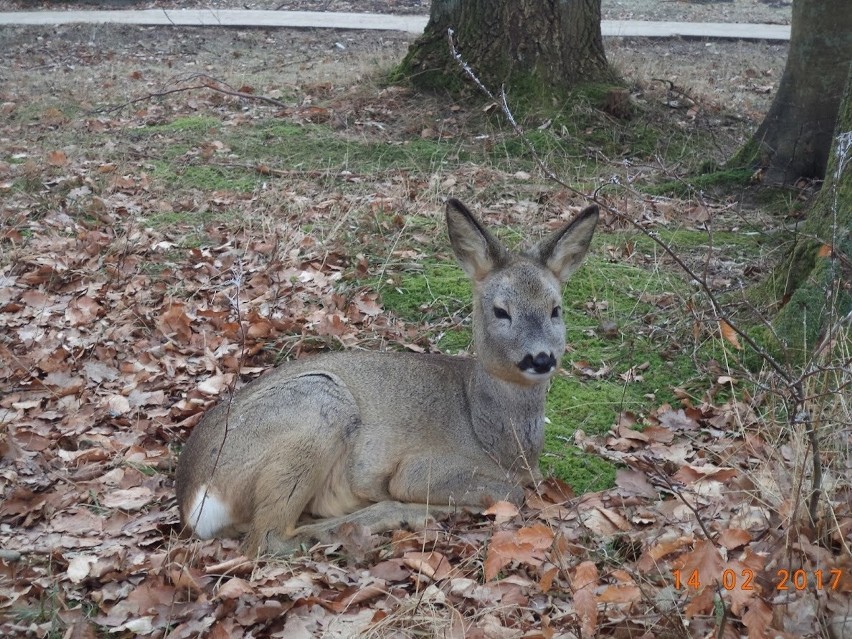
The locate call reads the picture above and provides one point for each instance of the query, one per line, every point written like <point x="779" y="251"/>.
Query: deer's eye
<point x="501" y="313"/>
<point x="556" y="312"/>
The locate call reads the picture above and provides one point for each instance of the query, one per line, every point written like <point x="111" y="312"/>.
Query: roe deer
<point x="379" y="439"/>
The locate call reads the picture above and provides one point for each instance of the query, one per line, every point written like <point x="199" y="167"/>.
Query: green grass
<point x="317" y="147"/>
<point x="435" y="293"/>
<point x="188" y="124"/>
<point x="281" y="146"/>
<point x="724" y="180"/>
<point x="571" y="140"/>
<point x="209" y="178"/>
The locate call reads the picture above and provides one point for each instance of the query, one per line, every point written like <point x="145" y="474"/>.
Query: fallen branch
<point x="207" y="82"/>
<point x="795" y="399"/>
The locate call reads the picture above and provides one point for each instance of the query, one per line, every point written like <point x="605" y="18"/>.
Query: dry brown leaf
<point x="620" y="594"/>
<point x="79" y="566"/>
<point x="651" y="557"/>
<point x="526" y="545"/>
<point x="390" y="570"/>
<point x="732" y="538"/>
<point x="234" y="588"/>
<point x="702" y="603"/>
<point x="703" y="563"/>
<point x="584" y="584"/>
<point x="432" y="564"/>
<point x="546" y="581"/>
<point x="729" y="334"/>
<point x="604" y="521"/>
<point x="355" y="596"/>
<point x="758" y="618"/>
<point x="706" y="472"/>
<point x="503" y="511"/>
<point x="57" y="158"/>
<point x="128" y="499"/>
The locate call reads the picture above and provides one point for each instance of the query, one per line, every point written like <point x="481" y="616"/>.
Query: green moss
<point x="725" y="180"/>
<point x="748" y="157"/>
<point x="185" y="124"/>
<point x="583" y="472"/>
<point x="803" y="319"/>
<point x="440" y="290"/>
<point x="455" y="341"/>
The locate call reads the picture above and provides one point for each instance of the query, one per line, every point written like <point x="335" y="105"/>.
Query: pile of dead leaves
<point x="106" y="368"/>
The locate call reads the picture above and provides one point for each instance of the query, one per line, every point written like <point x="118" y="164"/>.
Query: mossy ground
<point x="573" y="135"/>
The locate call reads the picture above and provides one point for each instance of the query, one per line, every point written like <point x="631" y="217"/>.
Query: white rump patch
<point x="208" y="514"/>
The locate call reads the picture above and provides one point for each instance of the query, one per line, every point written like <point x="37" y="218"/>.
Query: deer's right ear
<point x="477" y="251"/>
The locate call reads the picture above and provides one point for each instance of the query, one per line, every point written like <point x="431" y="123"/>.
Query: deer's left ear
<point x="563" y="251"/>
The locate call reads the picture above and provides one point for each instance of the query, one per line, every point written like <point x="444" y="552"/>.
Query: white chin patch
<point x="208" y="514"/>
<point x="537" y="377"/>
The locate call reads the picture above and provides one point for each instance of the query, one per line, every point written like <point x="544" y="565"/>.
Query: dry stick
<point x="717" y="308"/>
<point x="210" y="82"/>
<point x="720" y="630"/>
<point x="237" y="281"/>
<point x="799" y="413"/>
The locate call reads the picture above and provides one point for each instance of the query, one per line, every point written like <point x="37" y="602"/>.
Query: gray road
<point x="412" y="24"/>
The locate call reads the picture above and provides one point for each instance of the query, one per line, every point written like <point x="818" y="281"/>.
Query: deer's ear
<point x="563" y="251"/>
<point x="477" y="251"/>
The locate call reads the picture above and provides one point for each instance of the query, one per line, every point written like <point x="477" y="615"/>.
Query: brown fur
<point x="372" y="438"/>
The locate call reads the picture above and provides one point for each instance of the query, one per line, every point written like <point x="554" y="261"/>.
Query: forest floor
<point x="182" y="209"/>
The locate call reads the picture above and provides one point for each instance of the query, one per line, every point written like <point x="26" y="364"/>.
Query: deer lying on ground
<point x="382" y="439"/>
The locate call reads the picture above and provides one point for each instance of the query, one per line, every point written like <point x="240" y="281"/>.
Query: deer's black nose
<point x="542" y="363"/>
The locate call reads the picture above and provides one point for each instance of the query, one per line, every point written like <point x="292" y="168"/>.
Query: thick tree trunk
<point x="528" y="45"/>
<point x="816" y="281"/>
<point x="794" y="139"/>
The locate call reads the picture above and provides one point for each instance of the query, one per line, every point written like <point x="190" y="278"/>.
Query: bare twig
<point x="717" y="307"/>
<point x="237" y="282"/>
<point x="207" y="82"/>
<point x="796" y="406"/>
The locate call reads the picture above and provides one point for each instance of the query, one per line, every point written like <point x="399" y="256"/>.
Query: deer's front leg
<point x="455" y="481"/>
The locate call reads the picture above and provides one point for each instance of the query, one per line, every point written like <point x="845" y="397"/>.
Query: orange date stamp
<point x="744" y="580"/>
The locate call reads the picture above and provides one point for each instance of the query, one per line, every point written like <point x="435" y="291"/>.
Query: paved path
<point x="412" y="24"/>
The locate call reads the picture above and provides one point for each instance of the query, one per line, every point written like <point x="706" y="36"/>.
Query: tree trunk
<point x="816" y="281"/>
<point x="535" y="48"/>
<point x="794" y="139"/>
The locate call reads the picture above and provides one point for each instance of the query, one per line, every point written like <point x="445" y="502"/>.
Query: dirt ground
<point x="737" y="76"/>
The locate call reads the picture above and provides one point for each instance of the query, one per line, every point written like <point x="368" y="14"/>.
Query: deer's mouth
<point x="538" y="365"/>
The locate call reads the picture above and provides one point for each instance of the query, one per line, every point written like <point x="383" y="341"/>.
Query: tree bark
<point x="815" y="283"/>
<point x="532" y="46"/>
<point x="794" y="139"/>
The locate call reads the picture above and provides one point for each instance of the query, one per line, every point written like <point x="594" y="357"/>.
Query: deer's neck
<point x="508" y="419"/>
